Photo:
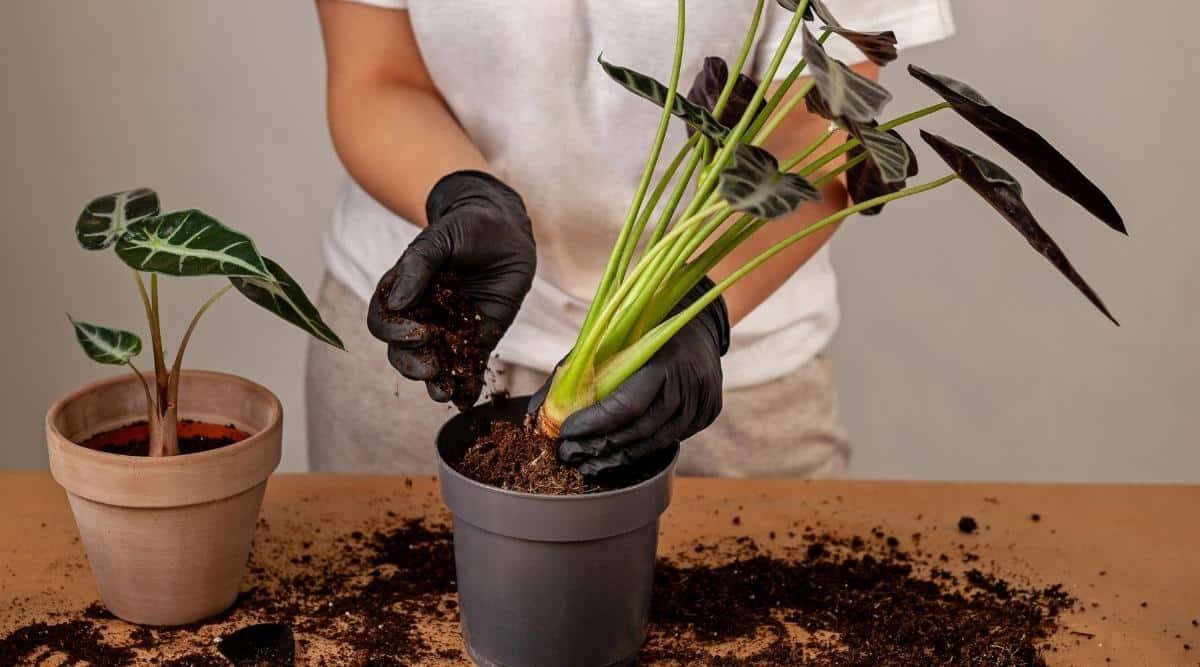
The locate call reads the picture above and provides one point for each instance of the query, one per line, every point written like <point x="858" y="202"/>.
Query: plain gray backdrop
<point x="962" y="355"/>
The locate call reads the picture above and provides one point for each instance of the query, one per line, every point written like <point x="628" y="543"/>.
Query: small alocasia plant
<point x="183" y="243"/>
<point x="729" y="116"/>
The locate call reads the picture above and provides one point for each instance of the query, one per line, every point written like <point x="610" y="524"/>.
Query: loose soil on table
<point x="194" y="437"/>
<point x="384" y="594"/>
<point x="455" y="325"/>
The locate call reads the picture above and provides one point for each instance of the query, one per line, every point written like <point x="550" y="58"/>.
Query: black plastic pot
<point x="550" y="581"/>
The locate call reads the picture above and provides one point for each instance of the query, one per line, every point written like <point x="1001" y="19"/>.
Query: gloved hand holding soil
<point x="456" y="289"/>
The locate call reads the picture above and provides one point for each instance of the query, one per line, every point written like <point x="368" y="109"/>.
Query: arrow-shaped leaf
<point x="814" y="6"/>
<point x="865" y="181"/>
<point x="888" y="151"/>
<point x="282" y="295"/>
<point x="107" y="346"/>
<point x="1024" y="143"/>
<point x="651" y="89"/>
<point x="104" y="219"/>
<point x="189" y="243"/>
<point x="710" y="81"/>
<point x="999" y="189"/>
<point x="878" y="47"/>
<point x="753" y="184"/>
<point x="848" y="93"/>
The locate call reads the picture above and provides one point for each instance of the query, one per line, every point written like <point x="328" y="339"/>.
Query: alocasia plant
<point x="724" y="165"/>
<point x="184" y="243"/>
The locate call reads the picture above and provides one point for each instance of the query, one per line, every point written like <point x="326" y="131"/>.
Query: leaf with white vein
<point x="849" y="94"/>
<point x="754" y="185"/>
<point x="652" y="89"/>
<point x="189" y="243"/>
<point x="282" y="295"/>
<point x="105" y="345"/>
<point x="105" y="219"/>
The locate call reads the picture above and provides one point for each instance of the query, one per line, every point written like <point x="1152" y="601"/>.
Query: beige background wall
<point x="962" y="355"/>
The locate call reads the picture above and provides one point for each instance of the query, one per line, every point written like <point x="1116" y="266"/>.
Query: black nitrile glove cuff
<point x="716" y="314"/>
<point x="468" y="186"/>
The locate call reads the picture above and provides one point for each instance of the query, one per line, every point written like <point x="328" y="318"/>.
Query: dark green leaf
<point x="878" y="47"/>
<point x="1024" y="143"/>
<point x="649" y="88"/>
<point x="847" y="93"/>
<point x="189" y="243"/>
<point x="104" y="219"/>
<point x="107" y="346"/>
<point x="814" y="6"/>
<point x="999" y="189"/>
<point x="891" y="158"/>
<point x="888" y="151"/>
<point x="864" y="180"/>
<point x="282" y="295"/>
<point x="710" y="81"/>
<point x="754" y="185"/>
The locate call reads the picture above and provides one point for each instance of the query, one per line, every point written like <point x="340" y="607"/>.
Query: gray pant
<point x="363" y="417"/>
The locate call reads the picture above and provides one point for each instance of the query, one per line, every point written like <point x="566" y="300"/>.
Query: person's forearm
<point x="390" y="127"/>
<point x="397" y="142"/>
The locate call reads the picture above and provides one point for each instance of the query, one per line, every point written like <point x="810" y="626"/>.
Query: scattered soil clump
<point x="454" y="326"/>
<point x="842" y="602"/>
<point x="384" y="594"/>
<point x="194" y="437"/>
<point x="967" y="525"/>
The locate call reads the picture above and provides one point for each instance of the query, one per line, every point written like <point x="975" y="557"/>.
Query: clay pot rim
<point x="56" y="409"/>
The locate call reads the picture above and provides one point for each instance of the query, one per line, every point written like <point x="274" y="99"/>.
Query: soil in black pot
<point x="194" y="437"/>
<point x="454" y="324"/>
<point x="518" y="457"/>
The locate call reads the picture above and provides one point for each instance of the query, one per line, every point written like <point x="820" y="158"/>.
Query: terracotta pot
<point x="167" y="538"/>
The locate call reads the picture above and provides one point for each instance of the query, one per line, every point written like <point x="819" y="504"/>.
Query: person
<point x="483" y="137"/>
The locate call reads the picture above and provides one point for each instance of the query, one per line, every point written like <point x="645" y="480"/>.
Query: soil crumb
<point x="967" y="525"/>
<point x="194" y="437"/>
<point x="455" y="325"/>
<point x="518" y="457"/>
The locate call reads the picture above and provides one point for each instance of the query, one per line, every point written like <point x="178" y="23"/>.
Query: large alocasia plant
<point x="729" y="117"/>
<point x="184" y="243"/>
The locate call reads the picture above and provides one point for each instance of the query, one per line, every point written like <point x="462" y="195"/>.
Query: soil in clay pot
<point x="454" y="322"/>
<point x="194" y="437"/>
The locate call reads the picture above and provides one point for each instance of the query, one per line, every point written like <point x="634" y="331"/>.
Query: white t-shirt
<point x="522" y="79"/>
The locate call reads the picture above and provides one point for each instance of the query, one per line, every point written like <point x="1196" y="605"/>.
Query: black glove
<point x="674" y="396"/>
<point x="478" y="229"/>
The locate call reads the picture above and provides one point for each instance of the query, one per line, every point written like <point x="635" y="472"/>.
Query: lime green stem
<point x="611" y="274"/>
<point x="625" y="363"/>
<point x="747" y="45"/>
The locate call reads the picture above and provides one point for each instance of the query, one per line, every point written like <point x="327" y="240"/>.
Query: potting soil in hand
<point x="383" y="593"/>
<point x="454" y="324"/>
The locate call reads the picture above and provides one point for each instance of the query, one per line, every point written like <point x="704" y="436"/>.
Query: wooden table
<point x="1146" y="540"/>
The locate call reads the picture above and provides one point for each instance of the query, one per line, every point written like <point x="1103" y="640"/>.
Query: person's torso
<point x="522" y="80"/>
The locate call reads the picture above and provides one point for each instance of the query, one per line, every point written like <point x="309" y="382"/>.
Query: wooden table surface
<point x="1146" y="539"/>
